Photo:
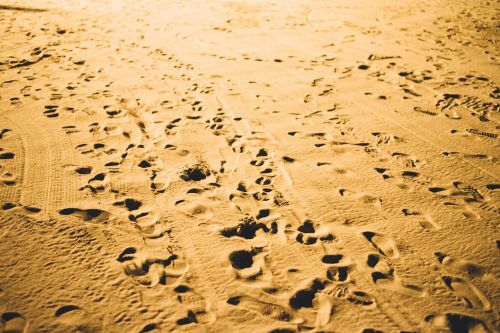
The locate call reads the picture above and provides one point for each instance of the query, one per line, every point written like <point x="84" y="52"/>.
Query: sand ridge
<point x="249" y="166"/>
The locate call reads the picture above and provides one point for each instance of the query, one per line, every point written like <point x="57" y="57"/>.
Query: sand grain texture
<point x="249" y="166"/>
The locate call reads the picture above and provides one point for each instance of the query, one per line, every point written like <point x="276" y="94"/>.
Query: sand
<point x="249" y="166"/>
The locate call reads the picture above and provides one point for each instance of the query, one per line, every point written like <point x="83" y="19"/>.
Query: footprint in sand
<point x="270" y="310"/>
<point x="3" y="133"/>
<point x="87" y="215"/>
<point x="198" y="208"/>
<point x="459" y="266"/>
<point x="51" y="111"/>
<point x="457" y="323"/>
<point x="348" y="292"/>
<point x="309" y="233"/>
<point x="313" y="305"/>
<point x="361" y="197"/>
<point x="462" y="197"/>
<point x="467" y="292"/>
<point x="75" y="317"/>
<point x="424" y="220"/>
<point x="250" y="266"/>
<point x="198" y="172"/>
<point x="13" y="322"/>
<point x="393" y="283"/>
<point x="386" y="175"/>
<point x="6" y="155"/>
<point x="152" y="267"/>
<point x="339" y="267"/>
<point x="384" y="244"/>
<point x="198" y="309"/>
<point x="251" y="230"/>
<point x="8" y="179"/>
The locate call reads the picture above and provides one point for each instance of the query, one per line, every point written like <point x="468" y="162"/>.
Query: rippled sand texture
<point x="249" y="166"/>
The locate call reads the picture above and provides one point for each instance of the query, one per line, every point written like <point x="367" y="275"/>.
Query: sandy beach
<point x="249" y="166"/>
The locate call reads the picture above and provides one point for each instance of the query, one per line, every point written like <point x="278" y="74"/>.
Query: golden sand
<point x="249" y="166"/>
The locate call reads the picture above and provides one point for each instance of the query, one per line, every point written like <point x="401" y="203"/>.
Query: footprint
<point x="457" y="323"/>
<point x="83" y="170"/>
<point x="152" y="267"/>
<point x="150" y="328"/>
<point x="362" y="197"/>
<point x="384" y="244"/>
<point x="130" y="204"/>
<point x="197" y="209"/>
<point x="308" y="234"/>
<point x="425" y="220"/>
<point x="305" y="298"/>
<point x="338" y="269"/>
<point x="94" y="215"/>
<point x="196" y="173"/>
<point x="388" y="177"/>
<point x="407" y="161"/>
<point x="416" y="177"/>
<point x="6" y="156"/>
<point x="199" y="309"/>
<point x="3" y="131"/>
<point x="273" y="311"/>
<point x="465" y="290"/>
<point x="71" y="315"/>
<point x="385" y="138"/>
<point x="465" y="210"/>
<point x="51" y="111"/>
<point x="241" y="259"/>
<point x="13" y="322"/>
<point x="246" y="229"/>
<point x="8" y="179"/>
<point x="392" y="282"/>
<point x="99" y="184"/>
<point x="358" y="297"/>
<point x="459" y="266"/>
